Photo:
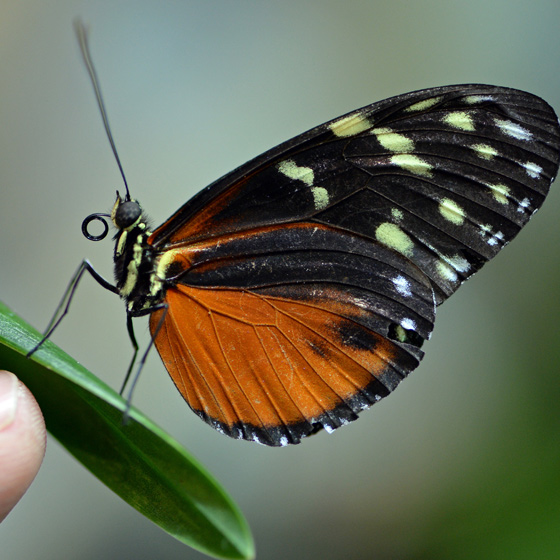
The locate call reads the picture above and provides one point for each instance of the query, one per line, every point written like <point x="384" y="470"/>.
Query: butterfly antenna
<point x="82" y="34"/>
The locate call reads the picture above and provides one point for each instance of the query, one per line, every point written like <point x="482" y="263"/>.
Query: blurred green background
<point x="463" y="461"/>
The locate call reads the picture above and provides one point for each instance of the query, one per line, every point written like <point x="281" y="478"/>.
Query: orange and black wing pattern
<point x="300" y="287"/>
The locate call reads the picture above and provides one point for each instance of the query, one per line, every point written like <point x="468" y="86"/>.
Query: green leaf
<point x="138" y="461"/>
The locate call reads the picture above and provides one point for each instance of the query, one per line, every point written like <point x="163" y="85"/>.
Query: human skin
<point x="22" y="440"/>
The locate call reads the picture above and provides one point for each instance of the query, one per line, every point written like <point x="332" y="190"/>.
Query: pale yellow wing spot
<point x="320" y="197"/>
<point x="394" y="237"/>
<point x="413" y="164"/>
<point x="459" y="120"/>
<point x="423" y="105"/>
<point x="500" y="193"/>
<point x="484" y="151"/>
<point x="290" y="169"/>
<point x="451" y="211"/>
<point x="393" y="141"/>
<point x="446" y="272"/>
<point x="350" y="125"/>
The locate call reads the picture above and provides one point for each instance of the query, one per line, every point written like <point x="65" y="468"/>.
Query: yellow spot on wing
<point x="394" y="237"/>
<point x="445" y="271"/>
<point x="500" y="193"/>
<point x="412" y="163"/>
<point x="423" y="105"/>
<point x="484" y="151"/>
<point x="459" y="120"/>
<point x="451" y="211"/>
<point x="448" y="267"/>
<point x="290" y="169"/>
<point x="350" y="126"/>
<point x="320" y="197"/>
<point x="393" y="141"/>
<point x="294" y="171"/>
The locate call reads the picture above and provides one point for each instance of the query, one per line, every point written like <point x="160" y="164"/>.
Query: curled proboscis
<point x="95" y="217"/>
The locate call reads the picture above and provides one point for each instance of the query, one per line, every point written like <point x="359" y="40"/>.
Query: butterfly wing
<point x="446" y="176"/>
<point x="347" y="236"/>
<point x="274" y="334"/>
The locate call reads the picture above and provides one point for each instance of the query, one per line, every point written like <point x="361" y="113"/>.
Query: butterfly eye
<point x="126" y="214"/>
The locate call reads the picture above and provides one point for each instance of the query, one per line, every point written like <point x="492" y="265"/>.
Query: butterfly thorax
<point x="135" y="259"/>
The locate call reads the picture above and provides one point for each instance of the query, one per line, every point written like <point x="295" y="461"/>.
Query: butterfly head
<point x="126" y="213"/>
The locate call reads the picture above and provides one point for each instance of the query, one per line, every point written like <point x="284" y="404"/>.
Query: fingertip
<point x="22" y="440"/>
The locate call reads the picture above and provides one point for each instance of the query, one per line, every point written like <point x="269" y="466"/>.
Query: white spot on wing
<point x="408" y="324"/>
<point x="532" y="169"/>
<point x="524" y="205"/>
<point x="513" y="129"/>
<point x="475" y="99"/>
<point x="490" y="237"/>
<point x="449" y="266"/>
<point x="402" y="285"/>
<point x="459" y="263"/>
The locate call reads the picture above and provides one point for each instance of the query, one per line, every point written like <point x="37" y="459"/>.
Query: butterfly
<point x="297" y="290"/>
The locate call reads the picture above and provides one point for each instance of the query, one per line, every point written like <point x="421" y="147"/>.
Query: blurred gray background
<point x="463" y="461"/>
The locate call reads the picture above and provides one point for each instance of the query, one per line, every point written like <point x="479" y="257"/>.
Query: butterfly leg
<point x="64" y="304"/>
<point x="132" y="336"/>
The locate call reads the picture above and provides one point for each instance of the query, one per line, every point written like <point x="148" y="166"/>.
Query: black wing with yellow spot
<point x="302" y="285"/>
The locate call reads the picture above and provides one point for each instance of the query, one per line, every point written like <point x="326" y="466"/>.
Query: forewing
<point x="444" y="176"/>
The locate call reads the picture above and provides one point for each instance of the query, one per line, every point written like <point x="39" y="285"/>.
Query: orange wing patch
<point x="270" y="369"/>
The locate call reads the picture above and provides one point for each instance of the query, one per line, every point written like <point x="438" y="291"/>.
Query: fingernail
<point x="8" y="398"/>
